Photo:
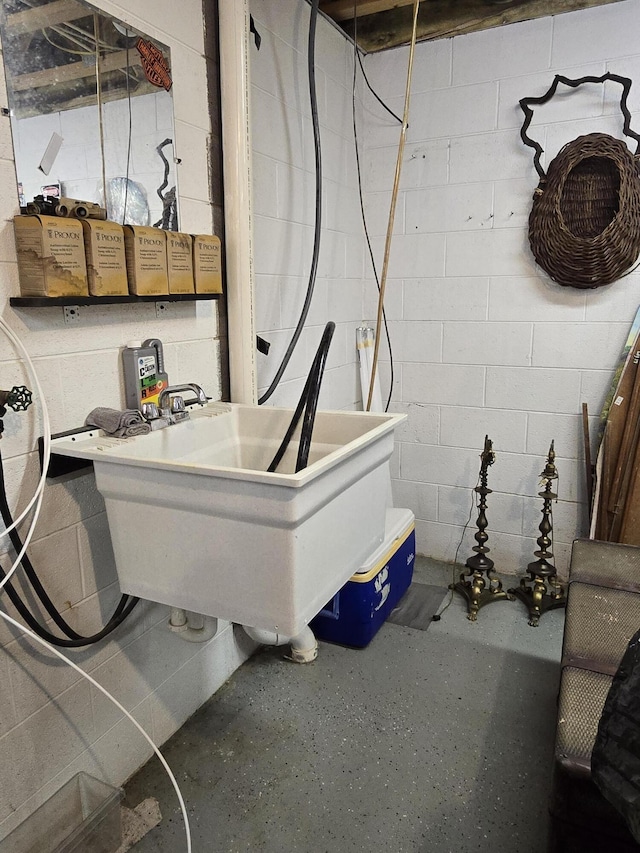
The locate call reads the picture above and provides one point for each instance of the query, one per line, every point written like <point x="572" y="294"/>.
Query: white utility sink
<point x="197" y="522"/>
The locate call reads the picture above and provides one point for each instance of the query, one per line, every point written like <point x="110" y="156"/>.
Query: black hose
<point x="123" y="609"/>
<point x="117" y="619"/>
<point x="311" y="53"/>
<point x="308" y="403"/>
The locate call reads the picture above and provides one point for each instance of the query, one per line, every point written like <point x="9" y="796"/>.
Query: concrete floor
<point x="437" y="740"/>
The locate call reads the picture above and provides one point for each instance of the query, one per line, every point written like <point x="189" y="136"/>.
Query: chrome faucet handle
<point x="176" y="404"/>
<point x="150" y="411"/>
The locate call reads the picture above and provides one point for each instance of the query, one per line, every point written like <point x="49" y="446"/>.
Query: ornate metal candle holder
<point x="477" y="589"/>
<point x="543" y="591"/>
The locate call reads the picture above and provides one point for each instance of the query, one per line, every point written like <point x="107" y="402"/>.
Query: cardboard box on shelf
<point x="146" y="254"/>
<point x="106" y="261"/>
<point x="180" y="262"/>
<point x="207" y="263"/>
<point x="51" y="259"/>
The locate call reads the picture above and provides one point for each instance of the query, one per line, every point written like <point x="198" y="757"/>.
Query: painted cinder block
<point x="594" y="387"/>
<point x="387" y="70"/>
<point x="600" y="34"/>
<point x="450" y="298"/>
<point x="282" y="133"/>
<point x="502" y="251"/>
<point x="414" y="255"/>
<point x="443" y="384"/>
<point x="565" y="430"/>
<point x="7" y="709"/>
<point x="461" y="426"/>
<point x="617" y="303"/>
<point x="421" y="497"/>
<point x="451" y="208"/>
<point x="265" y="196"/>
<point x="580" y="345"/>
<point x="425" y="164"/>
<point x="449" y="466"/>
<point x="502" y="52"/>
<point x="57" y="561"/>
<point x="422" y="424"/>
<point x="97" y="562"/>
<point x="534" y="297"/>
<point x="439" y="541"/>
<point x="456" y="111"/>
<point x="495" y="156"/>
<point x="280" y="247"/>
<point x="490" y="343"/>
<point x="416" y="341"/>
<point x="512" y="203"/>
<point x="533" y="389"/>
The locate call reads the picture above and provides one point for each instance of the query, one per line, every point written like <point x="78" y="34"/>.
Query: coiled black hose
<point x="75" y="640"/>
<point x="308" y="403"/>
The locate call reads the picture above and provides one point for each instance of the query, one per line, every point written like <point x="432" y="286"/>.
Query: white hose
<point x="46" y="424"/>
<point x="37" y="500"/>
<point x="106" y="693"/>
<point x="46" y="427"/>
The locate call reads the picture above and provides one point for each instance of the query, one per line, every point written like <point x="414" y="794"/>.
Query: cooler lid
<point x="397" y="524"/>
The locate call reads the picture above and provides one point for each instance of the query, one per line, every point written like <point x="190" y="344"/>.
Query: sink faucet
<point x="201" y="397"/>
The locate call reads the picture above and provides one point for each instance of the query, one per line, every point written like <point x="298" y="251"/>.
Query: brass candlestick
<point x="543" y="591"/>
<point x="476" y="589"/>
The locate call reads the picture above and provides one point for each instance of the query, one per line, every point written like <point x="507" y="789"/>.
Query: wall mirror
<point x="91" y="110"/>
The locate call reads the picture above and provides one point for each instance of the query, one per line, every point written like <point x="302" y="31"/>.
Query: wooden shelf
<point x="52" y="301"/>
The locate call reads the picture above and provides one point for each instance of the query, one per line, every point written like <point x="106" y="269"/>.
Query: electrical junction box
<point x="358" y="610"/>
<point x="51" y="259"/>
<point x="106" y="262"/>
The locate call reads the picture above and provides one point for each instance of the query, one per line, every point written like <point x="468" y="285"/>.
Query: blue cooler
<point x="354" y="614"/>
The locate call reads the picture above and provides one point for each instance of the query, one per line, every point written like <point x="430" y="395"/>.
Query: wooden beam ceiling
<point x="384" y="24"/>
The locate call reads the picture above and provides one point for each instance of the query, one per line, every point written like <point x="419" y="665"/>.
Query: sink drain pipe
<point x="179" y="624"/>
<point x="304" y="646"/>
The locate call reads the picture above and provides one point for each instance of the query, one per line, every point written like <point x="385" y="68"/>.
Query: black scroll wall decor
<point x="584" y="226"/>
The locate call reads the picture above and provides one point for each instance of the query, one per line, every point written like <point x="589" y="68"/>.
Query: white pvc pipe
<point x="233" y="16"/>
<point x="304" y="646"/>
<point x="179" y="624"/>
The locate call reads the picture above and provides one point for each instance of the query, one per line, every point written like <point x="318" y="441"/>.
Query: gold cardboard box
<point x="146" y="254"/>
<point x="106" y="261"/>
<point x="180" y="262"/>
<point x="207" y="263"/>
<point x="51" y="260"/>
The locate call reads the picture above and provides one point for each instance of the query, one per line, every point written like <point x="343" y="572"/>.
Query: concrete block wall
<point x="484" y="342"/>
<point x="284" y="200"/>
<point x="52" y="724"/>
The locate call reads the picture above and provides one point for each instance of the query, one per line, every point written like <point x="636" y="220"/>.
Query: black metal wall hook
<point x="625" y="82"/>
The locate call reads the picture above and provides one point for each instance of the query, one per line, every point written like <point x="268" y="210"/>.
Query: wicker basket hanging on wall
<point x="584" y="226"/>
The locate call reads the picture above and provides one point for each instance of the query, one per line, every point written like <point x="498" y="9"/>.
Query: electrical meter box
<point x="358" y="610"/>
